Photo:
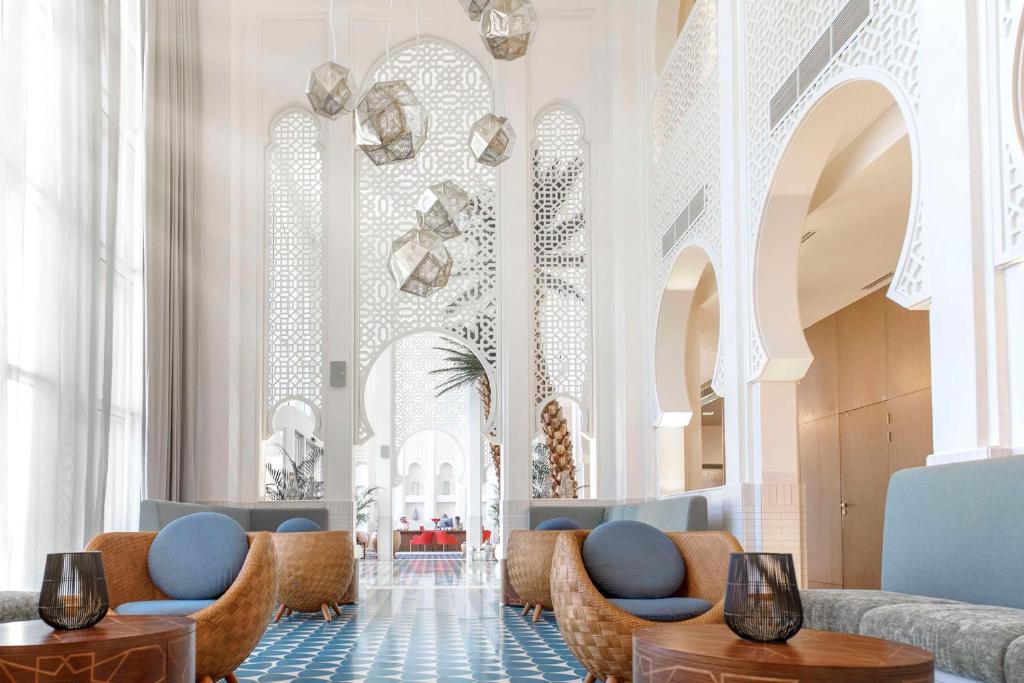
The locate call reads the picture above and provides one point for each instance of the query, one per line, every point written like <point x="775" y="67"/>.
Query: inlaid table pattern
<point x="116" y="650"/>
<point x="714" y="654"/>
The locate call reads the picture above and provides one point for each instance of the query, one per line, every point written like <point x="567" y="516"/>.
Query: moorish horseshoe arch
<point x="778" y="329"/>
<point x="670" y="340"/>
<point x="456" y="90"/>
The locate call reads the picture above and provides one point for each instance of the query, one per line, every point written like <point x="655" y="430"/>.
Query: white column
<point x="473" y="476"/>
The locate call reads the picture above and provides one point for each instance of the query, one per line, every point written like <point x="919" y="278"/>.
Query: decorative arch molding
<point x="459" y="472"/>
<point x="887" y="49"/>
<point x="782" y="352"/>
<point x="672" y="325"/>
<point x="1009" y="38"/>
<point x="562" y="358"/>
<point x="293" y="264"/>
<point x="457" y="90"/>
<point x="414" y="407"/>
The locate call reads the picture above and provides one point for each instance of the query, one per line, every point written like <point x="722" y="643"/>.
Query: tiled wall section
<point x="763" y="517"/>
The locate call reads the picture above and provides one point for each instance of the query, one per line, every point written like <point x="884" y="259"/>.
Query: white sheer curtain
<point x="71" y="293"/>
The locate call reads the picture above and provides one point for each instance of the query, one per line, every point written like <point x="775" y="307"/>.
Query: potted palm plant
<point x="296" y="480"/>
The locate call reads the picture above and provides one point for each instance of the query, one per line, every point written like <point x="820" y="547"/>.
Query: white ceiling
<point x="859" y="215"/>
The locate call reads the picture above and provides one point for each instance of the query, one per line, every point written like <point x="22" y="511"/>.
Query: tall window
<point x="71" y="288"/>
<point x="294" y="291"/>
<point x="562" y="368"/>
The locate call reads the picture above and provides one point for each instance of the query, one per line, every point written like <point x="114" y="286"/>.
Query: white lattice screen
<point x="294" y="227"/>
<point x="562" y="357"/>
<point x="457" y="91"/>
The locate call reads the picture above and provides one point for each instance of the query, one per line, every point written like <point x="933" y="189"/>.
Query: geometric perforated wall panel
<point x="456" y="91"/>
<point x="293" y="257"/>
<point x="562" y="365"/>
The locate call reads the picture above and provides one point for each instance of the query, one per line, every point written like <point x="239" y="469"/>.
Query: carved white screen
<point x="293" y="257"/>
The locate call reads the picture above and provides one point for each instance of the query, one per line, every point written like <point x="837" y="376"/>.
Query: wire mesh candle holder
<point x="762" y="599"/>
<point x="74" y="593"/>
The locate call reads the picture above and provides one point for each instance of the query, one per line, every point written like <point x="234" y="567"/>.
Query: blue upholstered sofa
<point x="952" y="572"/>
<point x="156" y="514"/>
<point x="685" y="513"/>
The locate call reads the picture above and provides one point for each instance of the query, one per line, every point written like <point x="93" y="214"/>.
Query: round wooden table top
<point x="667" y="652"/>
<point x="127" y="631"/>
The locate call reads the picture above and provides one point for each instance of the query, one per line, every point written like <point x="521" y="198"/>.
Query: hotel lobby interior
<point x="644" y="341"/>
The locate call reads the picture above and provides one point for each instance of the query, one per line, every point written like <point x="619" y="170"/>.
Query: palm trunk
<point x="484" y="387"/>
<point x="559" y="440"/>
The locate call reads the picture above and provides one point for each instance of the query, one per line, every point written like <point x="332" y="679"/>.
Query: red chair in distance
<point x="486" y="535"/>
<point x="445" y="539"/>
<point x="424" y="539"/>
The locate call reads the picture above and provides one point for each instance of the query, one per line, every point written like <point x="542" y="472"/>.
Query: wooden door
<point x="819" y="470"/>
<point x="910" y="418"/>
<point x="864" y="472"/>
<point x="860" y="344"/>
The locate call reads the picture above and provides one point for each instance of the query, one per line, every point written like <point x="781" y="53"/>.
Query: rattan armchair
<point x="227" y="630"/>
<point x="315" y="571"/>
<point x="599" y="634"/>
<point x="529" y="567"/>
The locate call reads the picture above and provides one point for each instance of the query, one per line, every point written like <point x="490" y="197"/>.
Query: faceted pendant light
<point x="391" y="123"/>
<point x="508" y="27"/>
<point x="474" y="8"/>
<point x="445" y="209"/>
<point x="491" y="139"/>
<point x="420" y="264"/>
<point x="331" y="90"/>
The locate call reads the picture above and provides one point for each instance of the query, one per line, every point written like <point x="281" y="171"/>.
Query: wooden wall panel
<point x="908" y="353"/>
<point x="911" y="427"/>
<point x="819" y="470"/>
<point x="860" y="342"/>
<point x="818" y="393"/>
<point x="864" y="468"/>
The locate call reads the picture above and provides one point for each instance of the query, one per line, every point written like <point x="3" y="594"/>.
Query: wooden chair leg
<point x="337" y="610"/>
<point x="590" y="678"/>
<point x="612" y="679"/>
<point x="230" y="678"/>
<point x="280" y="613"/>
<point x="205" y="679"/>
<point x="526" y="608"/>
<point x="327" y="612"/>
<point x="536" y="612"/>
<point x="288" y="612"/>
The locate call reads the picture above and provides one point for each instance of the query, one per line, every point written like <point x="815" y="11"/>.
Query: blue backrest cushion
<point x="198" y="557"/>
<point x="957" y="532"/>
<point x="630" y="559"/>
<point x="295" y="524"/>
<point x="558" y="524"/>
<point x="587" y="516"/>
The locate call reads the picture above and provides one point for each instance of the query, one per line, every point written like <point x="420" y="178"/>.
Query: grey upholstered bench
<point x="952" y="572"/>
<point x="684" y="513"/>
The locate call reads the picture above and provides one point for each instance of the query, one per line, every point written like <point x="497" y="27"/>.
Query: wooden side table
<point x="116" y="650"/>
<point x="713" y="653"/>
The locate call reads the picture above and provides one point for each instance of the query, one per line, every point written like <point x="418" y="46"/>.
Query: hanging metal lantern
<point x="391" y="123"/>
<point x="331" y="90"/>
<point x="508" y="27"/>
<point x="491" y="139"/>
<point x="445" y="209"/>
<point x="420" y="264"/>
<point x="474" y="8"/>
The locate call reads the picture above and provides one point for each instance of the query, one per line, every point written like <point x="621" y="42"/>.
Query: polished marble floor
<point x="417" y="620"/>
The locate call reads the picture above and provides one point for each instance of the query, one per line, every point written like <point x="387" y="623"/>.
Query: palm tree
<point x="364" y="499"/>
<point x="464" y="368"/>
<point x="558" y="227"/>
<point x="296" y="480"/>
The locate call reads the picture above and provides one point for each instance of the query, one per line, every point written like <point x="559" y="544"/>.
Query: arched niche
<point x="675" y="407"/>
<point x="858" y="121"/>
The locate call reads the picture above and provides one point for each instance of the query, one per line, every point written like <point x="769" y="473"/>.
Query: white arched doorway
<point x="689" y="422"/>
<point x="844" y="395"/>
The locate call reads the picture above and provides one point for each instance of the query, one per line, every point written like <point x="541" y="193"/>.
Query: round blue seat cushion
<point x="663" y="609"/>
<point x="558" y="524"/>
<point x="630" y="559"/>
<point x="296" y="524"/>
<point x="198" y="557"/>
